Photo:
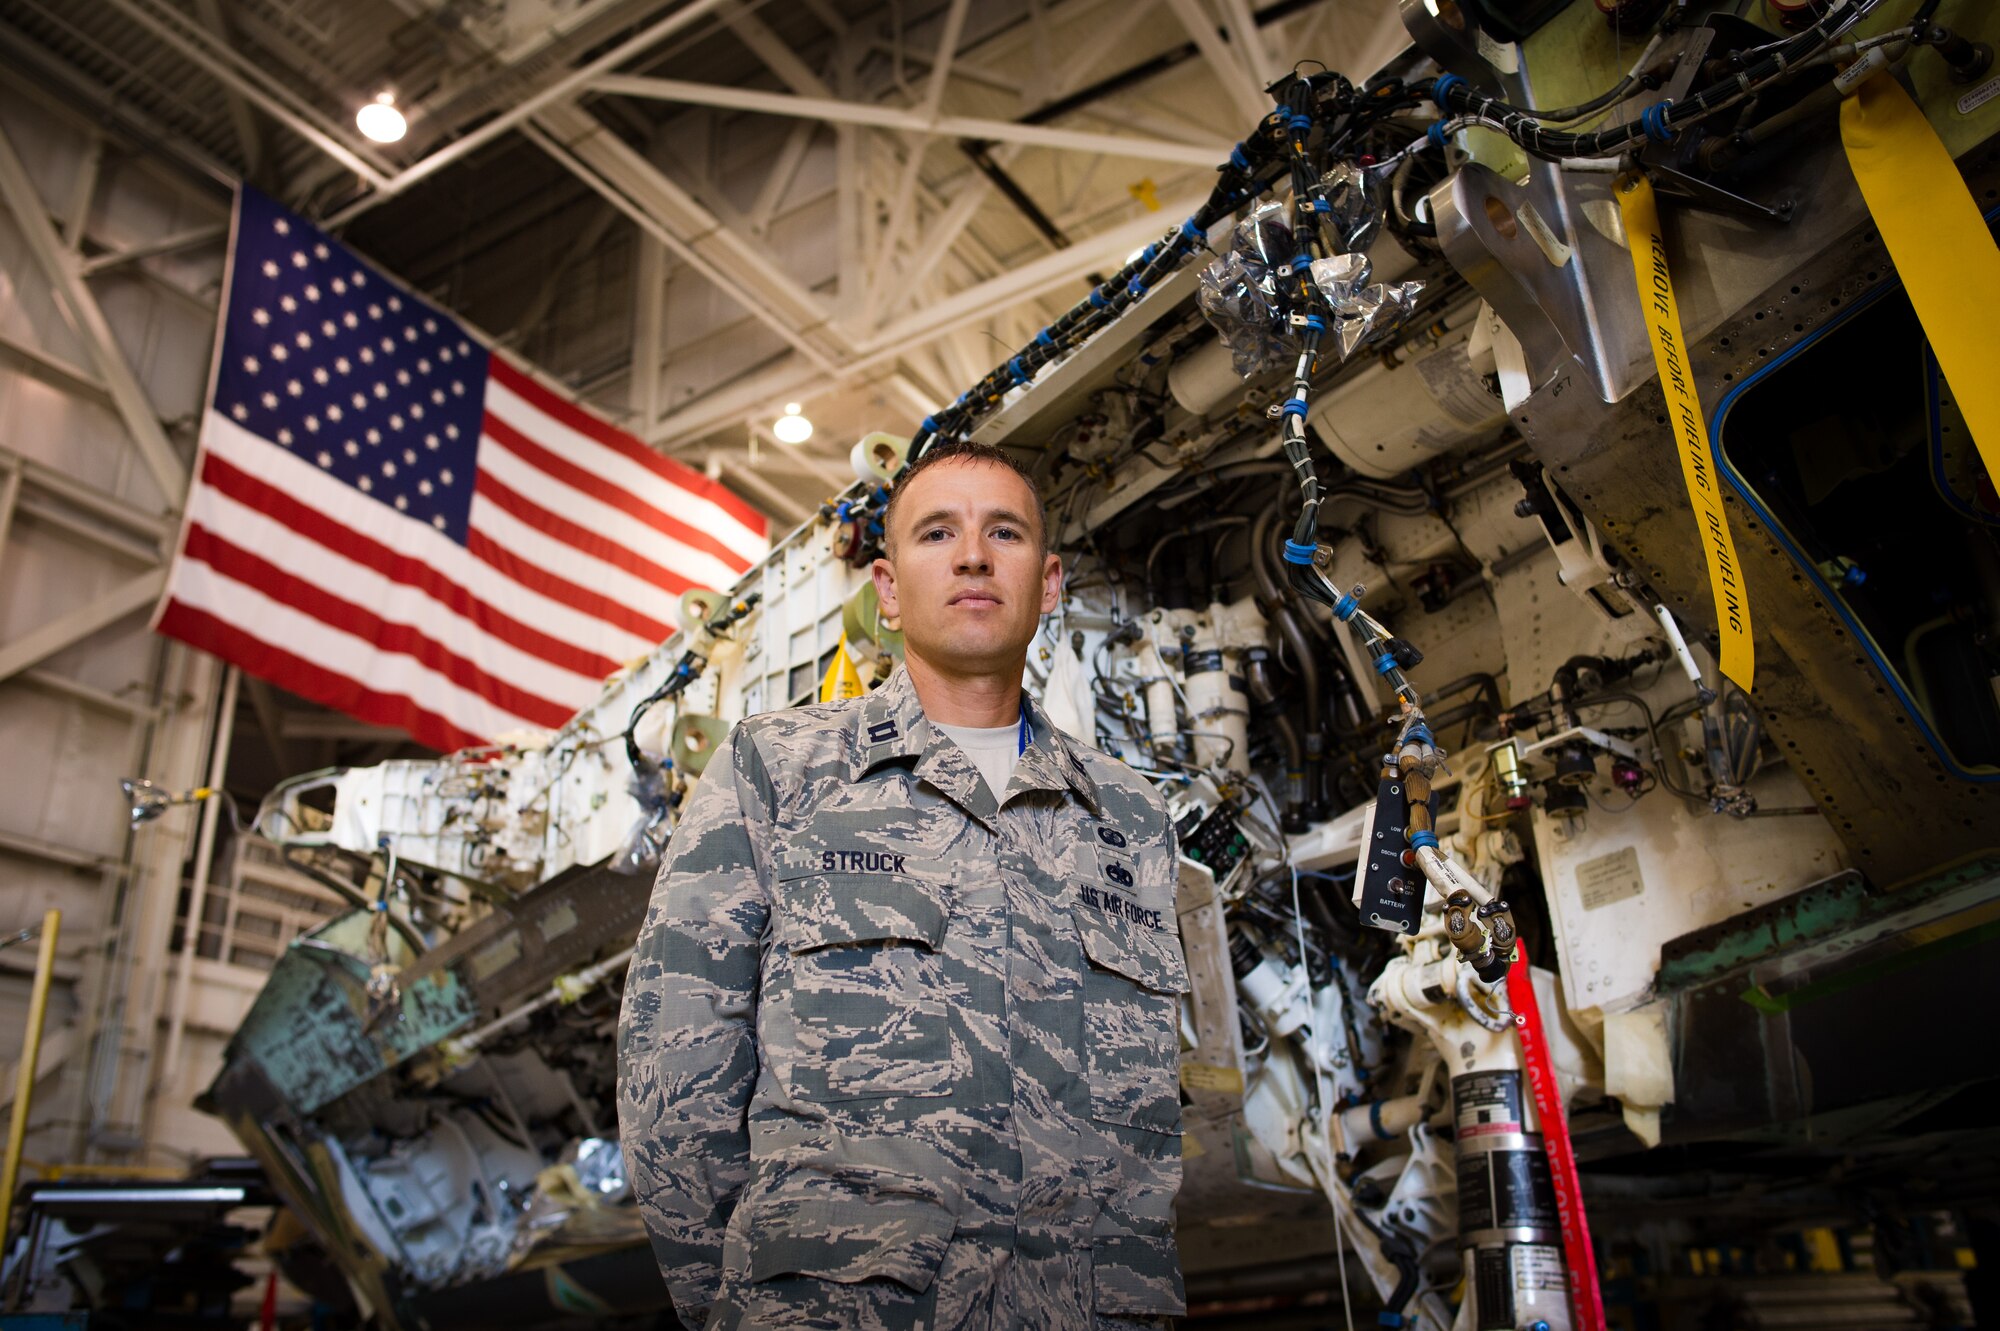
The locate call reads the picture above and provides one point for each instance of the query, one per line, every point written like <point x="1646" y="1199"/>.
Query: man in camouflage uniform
<point x="899" y="1051"/>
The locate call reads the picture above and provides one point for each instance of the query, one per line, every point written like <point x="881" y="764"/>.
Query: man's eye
<point x="1008" y="532"/>
<point x="935" y="531"/>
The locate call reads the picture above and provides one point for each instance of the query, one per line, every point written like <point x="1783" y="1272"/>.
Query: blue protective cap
<point x="1314" y="322"/>
<point x="1654" y="120"/>
<point x="1443" y="86"/>
<point x="1299" y="552"/>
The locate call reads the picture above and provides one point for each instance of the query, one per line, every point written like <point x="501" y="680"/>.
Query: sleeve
<point x="687" y="1051"/>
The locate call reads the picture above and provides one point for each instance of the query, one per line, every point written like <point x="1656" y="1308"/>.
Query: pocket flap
<point x="1150" y="958"/>
<point x="847" y="1240"/>
<point x="826" y="909"/>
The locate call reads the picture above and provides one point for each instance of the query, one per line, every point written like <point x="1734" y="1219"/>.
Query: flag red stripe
<point x="612" y="437"/>
<point x="562" y="469"/>
<point x="309" y="680"/>
<point x="489" y="551"/>
<point x="248" y="490"/>
<point x="252" y="571"/>
<point x="573" y="534"/>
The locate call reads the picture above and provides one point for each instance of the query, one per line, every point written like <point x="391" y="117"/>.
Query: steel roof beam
<point x="910" y="120"/>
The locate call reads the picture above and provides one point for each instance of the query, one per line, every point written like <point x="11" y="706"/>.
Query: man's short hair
<point x="965" y="450"/>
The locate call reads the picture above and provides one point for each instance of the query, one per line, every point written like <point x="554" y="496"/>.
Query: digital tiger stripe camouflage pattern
<point x="895" y="1054"/>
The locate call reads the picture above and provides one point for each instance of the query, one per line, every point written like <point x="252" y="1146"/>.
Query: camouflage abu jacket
<point x="892" y="1057"/>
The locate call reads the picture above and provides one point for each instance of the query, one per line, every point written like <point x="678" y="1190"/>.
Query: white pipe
<point x="204" y="858"/>
<point x="1446" y="876"/>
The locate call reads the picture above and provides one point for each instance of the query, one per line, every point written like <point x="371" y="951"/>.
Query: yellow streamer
<point x="842" y="680"/>
<point x="1939" y="243"/>
<point x="1663" y="323"/>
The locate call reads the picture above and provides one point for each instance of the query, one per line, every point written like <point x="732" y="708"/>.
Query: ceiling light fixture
<point x="792" y="428"/>
<point x="380" y="120"/>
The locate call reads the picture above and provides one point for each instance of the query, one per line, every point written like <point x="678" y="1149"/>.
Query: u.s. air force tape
<point x="1690" y="427"/>
<point x="1940" y="244"/>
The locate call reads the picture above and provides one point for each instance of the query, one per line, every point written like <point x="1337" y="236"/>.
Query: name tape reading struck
<point x="1663" y="324"/>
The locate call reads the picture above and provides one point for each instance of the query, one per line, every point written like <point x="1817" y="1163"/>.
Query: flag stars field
<point x="378" y="584"/>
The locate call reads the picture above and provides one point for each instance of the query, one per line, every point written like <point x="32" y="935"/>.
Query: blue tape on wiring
<point x="1191" y="231"/>
<point x="1314" y="322"/>
<point x="1375" y="1120"/>
<point x="1043" y="339"/>
<point x="1237" y="159"/>
<point x="1135" y="289"/>
<point x="841" y="510"/>
<point x="1654" y="120"/>
<point x="1097" y="298"/>
<point x="1294" y="406"/>
<point x="1302" y="124"/>
<point x="1436" y="134"/>
<point x="930" y="425"/>
<point x="1146" y="255"/>
<point x="1299" y="552"/>
<point x="1442" y="88"/>
<point x="1322" y="205"/>
<point x="1020" y="370"/>
<point x="1423" y="841"/>
<point x="1419" y="734"/>
<point x="1387" y="1318"/>
<point x="1344" y="608"/>
<point x="1302" y="263"/>
<point x="1384" y="664"/>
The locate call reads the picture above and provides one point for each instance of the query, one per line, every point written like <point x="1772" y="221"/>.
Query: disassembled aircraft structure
<point x="1383" y="562"/>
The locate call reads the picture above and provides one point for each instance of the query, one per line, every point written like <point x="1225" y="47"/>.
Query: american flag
<point x="391" y="520"/>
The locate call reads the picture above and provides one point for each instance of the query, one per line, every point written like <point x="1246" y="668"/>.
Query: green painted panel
<point x="310" y="1032"/>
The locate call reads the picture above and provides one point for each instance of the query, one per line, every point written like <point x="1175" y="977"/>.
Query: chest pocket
<point x="866" y="986"/>
<point x="1131" y="1020"/>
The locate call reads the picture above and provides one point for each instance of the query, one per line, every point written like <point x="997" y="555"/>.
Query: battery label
<point x="1504" y="1190"/>
<point x="1492" y="1291"/>
<point x="1487" y="1103"/>
<point x="1537" y="1266"/>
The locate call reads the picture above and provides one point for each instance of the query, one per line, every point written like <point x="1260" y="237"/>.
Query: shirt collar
<point x="891" y="727"/>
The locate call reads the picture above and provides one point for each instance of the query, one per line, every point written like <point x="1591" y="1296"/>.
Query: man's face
<point x="965" y="572"/>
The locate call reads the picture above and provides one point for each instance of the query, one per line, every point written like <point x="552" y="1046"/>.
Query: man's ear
<point x="1052" y="582"/>
<point x="883" y="572"/>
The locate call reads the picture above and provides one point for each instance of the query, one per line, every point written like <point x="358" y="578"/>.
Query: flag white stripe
<point x="349" y="508"/>
<point x="697" y="512"/>
<point x="396" y="602"/>
<point x="539" y="548"/>
<point x="257" y="614"/>
<point x="593" y="514"/>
